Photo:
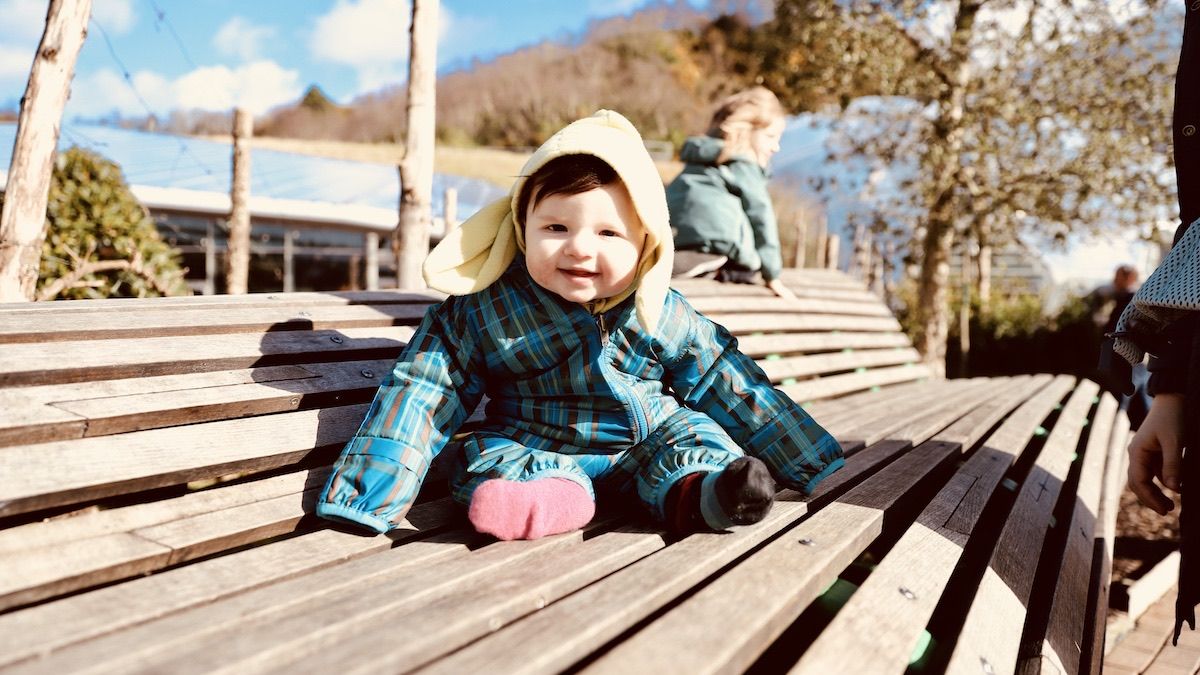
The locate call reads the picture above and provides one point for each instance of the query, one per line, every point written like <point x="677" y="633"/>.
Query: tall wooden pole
<point x="411" y="243"/>
<point x="237" y="263"/>
<point x="23" y="221"/>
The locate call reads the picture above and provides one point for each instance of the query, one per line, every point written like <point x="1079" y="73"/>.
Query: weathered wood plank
<point x="765" y="593"/>
<point x="1065" y="632"/>
<point x="997" y="613"/>
<point x="705" y="288"/>
<point x="757" y="346"/>
<point x="835" y="385"/>
<point x="23" y="365"/>
<point x="45" y="327"/>
<point x="53" y="474"/>
<point x="1106" y="534"/>
<point x="43" y="629"/>
<point x="70" y="554"/>
<point x="324" y="383"/>
<point x="718" y="307"/>
<point x="880" y="625"/>
<point x="97" y="523"/>
<point x="466" y="612"/>
<point x="739" y="324"/>
<point x="805" y="366"/>
<point x="323" y="613"/>
<point x="169" y="304"/>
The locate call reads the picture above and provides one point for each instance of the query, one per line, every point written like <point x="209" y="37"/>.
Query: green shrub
<point x="94" y="220"/>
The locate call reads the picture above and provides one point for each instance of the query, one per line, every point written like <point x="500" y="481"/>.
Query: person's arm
<point x="751" y="185"/>
<point x="708" y="374"/>
<point x="433" y="387"/>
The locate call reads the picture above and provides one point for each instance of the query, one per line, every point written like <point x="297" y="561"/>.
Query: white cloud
<point x="370" y="36"/>
<point x="117" y="16"/>
<point x="241" y="39"/>
<point x="256" y="86"/>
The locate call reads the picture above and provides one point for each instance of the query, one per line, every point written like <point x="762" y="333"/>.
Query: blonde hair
<point x="740" y="115"/>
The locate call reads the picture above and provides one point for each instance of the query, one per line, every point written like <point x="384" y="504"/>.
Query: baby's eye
<point x="609" y="233"/>
<point x="556" y="227"/>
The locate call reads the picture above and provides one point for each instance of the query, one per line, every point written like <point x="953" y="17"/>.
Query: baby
<point x="600" y="377"/>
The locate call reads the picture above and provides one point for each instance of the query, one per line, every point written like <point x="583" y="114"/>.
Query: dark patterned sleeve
<point x="708" y="374"/>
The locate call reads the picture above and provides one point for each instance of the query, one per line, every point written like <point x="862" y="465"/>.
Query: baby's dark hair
<point x="566" y="175"/>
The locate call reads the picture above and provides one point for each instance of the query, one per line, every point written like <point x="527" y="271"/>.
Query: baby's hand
<point x="780" y="290"/>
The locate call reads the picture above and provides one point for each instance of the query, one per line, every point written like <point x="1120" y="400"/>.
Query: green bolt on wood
<point x="1058" y="407"/>
<point x="1053" y="522"/>
<point x="789" y="381"/>
<point x="875" y="389"/>
<point x="860" y="370"/>
<point x="1040" y="431"/>
<point x="1074" y="457"/>
<point x="1095" y="400"/>
<point x="921" y="649"/>
<point x="773" y="357"/>
<point x="1009" y="484"/>
<point x="847" y="350"/>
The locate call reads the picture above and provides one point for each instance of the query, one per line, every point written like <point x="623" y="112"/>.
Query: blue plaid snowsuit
<point x="590" y="398"/>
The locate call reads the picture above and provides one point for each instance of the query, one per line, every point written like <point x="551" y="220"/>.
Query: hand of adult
<point x="780" y="290"/>
<point x="1155" y="452"/>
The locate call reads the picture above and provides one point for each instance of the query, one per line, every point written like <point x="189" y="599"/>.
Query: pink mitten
<point x="508" y="509"/>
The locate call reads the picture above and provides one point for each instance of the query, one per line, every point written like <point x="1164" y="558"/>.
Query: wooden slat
<point x="30" y="364"/>
<point x="1137" y="650"/>
<point x="44" y="327"/>
<point x="748" y="322"/>
<point x="328" y="383"/>
<point x="717" y="307"/>
<point x="706" y="288"/>
<point x="53" y="474"/>
<point x="43" y="629"/>
<point x="881" y="625"/>
<point x="296" y="299"/>
<point x="1180" y="659"/>
<point x="466" y="612"/>
<point x="992" y="626"/>
<point x="763" y="594"/>
<point x="1106" y="534"/>
<point x="38" y="414"/>
<point x="763" y="345"/>
<point x="804" y="366"/>
<point x="128" y="649"/>
<point x="1065" y="631"/>
<point x="322" y="617"/>
<point x="836" y="385"/>
<point x="908" y="418"/>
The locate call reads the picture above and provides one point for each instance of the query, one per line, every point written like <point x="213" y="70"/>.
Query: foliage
<point x="93" y="220"/>
<point x="1015" y="335"/>
<point x="1032" y="118"/>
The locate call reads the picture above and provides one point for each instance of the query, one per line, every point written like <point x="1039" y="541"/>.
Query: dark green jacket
<point x="724" y="208"/>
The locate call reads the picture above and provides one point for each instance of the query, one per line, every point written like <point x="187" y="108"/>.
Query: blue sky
<point x="213" y="54"/>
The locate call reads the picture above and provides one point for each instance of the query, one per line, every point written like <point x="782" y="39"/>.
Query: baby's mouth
<point x="581" y="274"/>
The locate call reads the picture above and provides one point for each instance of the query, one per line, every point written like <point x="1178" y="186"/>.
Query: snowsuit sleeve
<point x="708" y="374"/>
<point x="750" y="184"/>
<point x="433" y="387"/>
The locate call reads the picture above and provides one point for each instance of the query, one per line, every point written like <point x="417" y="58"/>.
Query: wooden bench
<point x="158" y="460"/>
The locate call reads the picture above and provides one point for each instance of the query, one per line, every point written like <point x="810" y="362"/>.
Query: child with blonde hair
<point x="721" y="212"/>
<point x="600" y="377"/>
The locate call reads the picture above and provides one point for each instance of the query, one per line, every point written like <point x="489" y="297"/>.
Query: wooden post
<point x="237" y="263"/>
<point x="23" y="221"/>
<point x="371" y="254"/>
<point x="801" y="238"/>
<point x="889" y="273"/>
<point x="210" y="259"/>
<point x="353" y="272"/>
<point x="289" y="261"/>
<point x="450" y="209"/>
<point x="831" y="252"/>
<point x="411" y="242"/>
<point x="856" y="253"/>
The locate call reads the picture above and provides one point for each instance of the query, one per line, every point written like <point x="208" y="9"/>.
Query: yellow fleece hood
<point x="473" y="256"/>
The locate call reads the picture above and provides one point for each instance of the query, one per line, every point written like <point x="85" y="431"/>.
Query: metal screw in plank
<point x="367" y="373"/>
<point x="337" y="339"/>
<point x="909" y="595"/>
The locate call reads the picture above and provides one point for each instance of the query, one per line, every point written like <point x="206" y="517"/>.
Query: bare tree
<point x="23" y="218"/>
<point x="411" y="242"/>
